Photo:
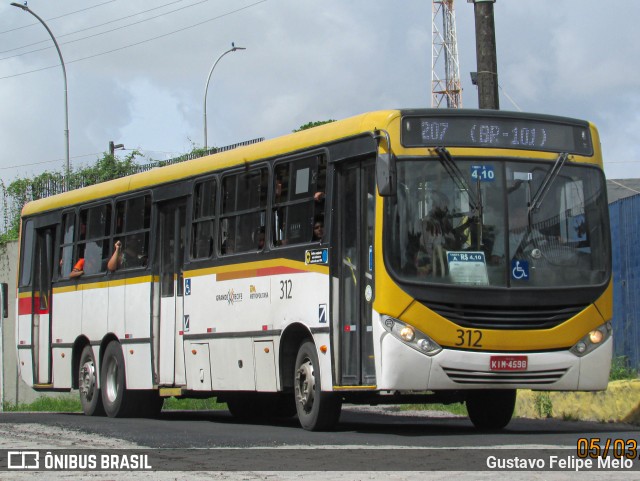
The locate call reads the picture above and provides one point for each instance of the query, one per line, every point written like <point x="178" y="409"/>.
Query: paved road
<point x="218" y="429"/>
<point x="366" y="440"/>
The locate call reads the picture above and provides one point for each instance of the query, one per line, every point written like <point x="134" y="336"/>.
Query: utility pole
<point x="113" y="147"/>
<point x="487" y="75"/>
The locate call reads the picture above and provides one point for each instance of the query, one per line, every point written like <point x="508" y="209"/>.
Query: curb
<point x="619" y="403"/>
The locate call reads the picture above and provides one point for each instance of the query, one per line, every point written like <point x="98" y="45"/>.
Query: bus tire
<point x="90" y="396"/>
<point x="118" y="401"/>
<point x="491" y="410"/>
<point x="317" y="410"/>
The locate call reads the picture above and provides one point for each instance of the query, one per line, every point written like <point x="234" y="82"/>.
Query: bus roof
<point x="267" y="149"/>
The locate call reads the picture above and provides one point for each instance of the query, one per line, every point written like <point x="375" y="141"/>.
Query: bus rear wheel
<point x="317" y="410"/>
<point x="491" y="410"/>
<point x="90" y="396"/>
<point x="117" y="399"/>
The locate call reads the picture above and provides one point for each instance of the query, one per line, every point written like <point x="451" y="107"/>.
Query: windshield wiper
<point x="457" y="176"/>
<point x="539" y="196"/>
<point x="475" y="199"/>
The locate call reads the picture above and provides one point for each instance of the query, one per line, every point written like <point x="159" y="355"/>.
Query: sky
<point x="136" y="71"/>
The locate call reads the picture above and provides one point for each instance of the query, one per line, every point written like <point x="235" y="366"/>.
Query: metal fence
<point x="625" y="238"/>
<point x="57" y="184"/>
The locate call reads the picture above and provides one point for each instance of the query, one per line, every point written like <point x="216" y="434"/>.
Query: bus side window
<point x="66" y="244"/>
<point x="244" y="204"/>
<point x="93" y="246"/>
<point x="133" y="223"/>
<point x="26" y="252"/>
<point x="298" y="202"/>
<point x="203" y="219"/>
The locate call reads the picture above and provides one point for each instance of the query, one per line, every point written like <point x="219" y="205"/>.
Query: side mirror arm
<point x="386" y="176"/>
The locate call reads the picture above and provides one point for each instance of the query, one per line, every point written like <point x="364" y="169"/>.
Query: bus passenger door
<point x="353" y="235"/>
<point x="168" y="345"/>
<point x="41" y="305"/>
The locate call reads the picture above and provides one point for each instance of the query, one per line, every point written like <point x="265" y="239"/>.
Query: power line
<point x="137" y="43"/>
<point x="97" y="26"/>
<point x="56" y="18"/>
<point x="144" y="151"/>
<point x="47" y="161"/>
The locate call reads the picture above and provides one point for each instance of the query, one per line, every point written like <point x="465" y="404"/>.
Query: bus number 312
<point x="469" y="338"/>
<point x="286" y="287"/>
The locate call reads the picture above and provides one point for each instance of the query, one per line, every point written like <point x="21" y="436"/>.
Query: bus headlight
<point x="592" y="340"/>
<point x="410" y="336"/>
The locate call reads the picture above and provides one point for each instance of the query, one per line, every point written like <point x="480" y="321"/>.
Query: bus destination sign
<point x="496" y="132"/>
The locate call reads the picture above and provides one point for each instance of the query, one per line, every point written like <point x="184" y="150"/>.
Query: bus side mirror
<point x="4" y="300"/>
<point x="386" y="175"/>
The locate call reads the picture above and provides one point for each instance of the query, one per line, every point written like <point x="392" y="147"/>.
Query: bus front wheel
<point x="491" y="409"/>
<point x="118" y="401"/>
<point x="90" y="396"/>
<point x="317" y="410"/>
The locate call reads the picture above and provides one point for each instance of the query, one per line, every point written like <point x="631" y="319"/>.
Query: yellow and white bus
<point x="393" y="257"/>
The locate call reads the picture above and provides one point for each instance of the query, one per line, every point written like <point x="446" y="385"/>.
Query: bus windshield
<point x="472" y="222"/>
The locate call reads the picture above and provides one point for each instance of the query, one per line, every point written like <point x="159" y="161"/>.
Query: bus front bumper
<point x="404" y="368"/>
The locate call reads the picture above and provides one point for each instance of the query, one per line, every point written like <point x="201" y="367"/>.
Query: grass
<point x="68" y="404"/>
<point x="620" y="369"/>
<point x="455" y="408"/>
<point x="71" y="404"/>
<point x="210" y="404"/>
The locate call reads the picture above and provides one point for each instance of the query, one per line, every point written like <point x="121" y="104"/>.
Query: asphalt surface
<point x="368" y="443"/>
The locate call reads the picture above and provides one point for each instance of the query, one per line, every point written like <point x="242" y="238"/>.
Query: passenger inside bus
<point x="131" y="254"/>
<point x="117" y="258"/>
<point x="228" y="246"/>
<point x="318" y="228"/>
<point x="260" y="237"/>
<point x="78" y="269"/>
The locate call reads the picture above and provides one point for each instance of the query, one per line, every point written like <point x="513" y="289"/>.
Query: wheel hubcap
<point x="87" y="380"/>
<point x="305" y="385"/>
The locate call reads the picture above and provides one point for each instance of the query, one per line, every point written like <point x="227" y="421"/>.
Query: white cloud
<point x="304" y="61"/>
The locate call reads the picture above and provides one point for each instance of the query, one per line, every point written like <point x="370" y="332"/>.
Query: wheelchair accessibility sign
<point x="519" y="270"/>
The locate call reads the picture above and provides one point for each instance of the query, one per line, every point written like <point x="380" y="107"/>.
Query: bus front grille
<point x="490" y="317"/>
<point x="465" y="376"/>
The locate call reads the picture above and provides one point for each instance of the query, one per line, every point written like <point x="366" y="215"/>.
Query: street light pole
<point x="66" y="101"/>
<point x="206" y="88"/>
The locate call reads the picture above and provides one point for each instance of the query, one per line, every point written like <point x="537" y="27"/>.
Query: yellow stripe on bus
<point x="103" y="284"/>
<point x="250" y="269"/>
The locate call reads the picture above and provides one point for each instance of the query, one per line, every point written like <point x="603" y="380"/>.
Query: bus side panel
<point x="65" y="328"/>
<point x="232" y="365"/>
<point x="137" y="359"/>
<point x="95" y="309"/>
<point x="137" y="310"/>
<point x="62" y="367"/>
<point x="237" y="308"/>
<point x="198" y="366"/>
<point x="137" y="326"/>
<point x="116" y="319"/>
<point x="23" y="342"/>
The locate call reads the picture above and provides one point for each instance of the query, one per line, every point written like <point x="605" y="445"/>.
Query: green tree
<point x="310" y="125"/>
<point x="23" y="190"/>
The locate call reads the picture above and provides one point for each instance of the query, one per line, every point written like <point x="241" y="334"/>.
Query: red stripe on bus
<point x="25" y="306"/>
<point x="274" y="271"/>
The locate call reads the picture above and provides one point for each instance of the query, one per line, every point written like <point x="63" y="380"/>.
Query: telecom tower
<point x="445" y="69"/>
